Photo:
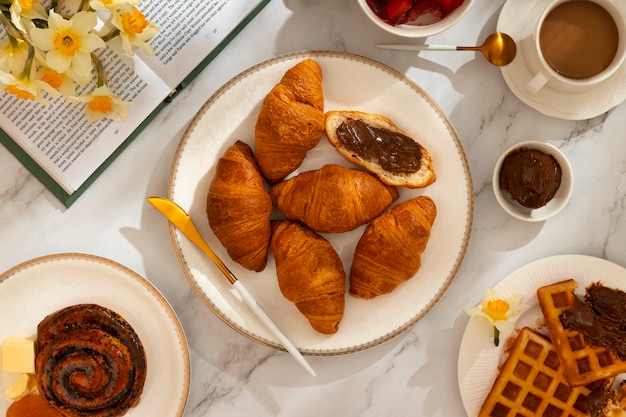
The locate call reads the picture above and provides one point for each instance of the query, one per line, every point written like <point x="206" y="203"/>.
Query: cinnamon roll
<point x="89" y="362"/>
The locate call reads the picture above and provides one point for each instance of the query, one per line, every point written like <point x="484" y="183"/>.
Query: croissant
<point x="333" y="199"/>
<point x="389" y="251"/>
<point x="290" y="122"/>
<point x="239" y="208"/>
<point x="310" y="274"/>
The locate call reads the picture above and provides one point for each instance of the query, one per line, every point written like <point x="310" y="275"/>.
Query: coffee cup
<point x="578" y="43"/>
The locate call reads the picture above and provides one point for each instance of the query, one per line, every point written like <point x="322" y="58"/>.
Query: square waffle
<point x="582" y="363"/>
<point x="531" y="383"/>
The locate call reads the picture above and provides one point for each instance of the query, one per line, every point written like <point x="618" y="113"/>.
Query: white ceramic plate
<point x="34" y="289"/>
<point x="479" y="358"/>
<point x="519" y="18"/>
<point x="350" y="82"/>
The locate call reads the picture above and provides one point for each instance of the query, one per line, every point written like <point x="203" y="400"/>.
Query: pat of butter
<point x="25" y="384"/>
<point x="18" y="355"/>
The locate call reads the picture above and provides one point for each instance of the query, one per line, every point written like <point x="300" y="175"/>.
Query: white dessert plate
<point x="519" y="18"/>
<point x="349" y="82"/>
<point x="479" y="357"/>
<point x="32" y="290"/>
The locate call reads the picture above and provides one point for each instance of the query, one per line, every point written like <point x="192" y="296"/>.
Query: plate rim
<point x="551" y="261"/>
<point x="553" y="109"/>
<point x="175" y="234"/>
<point x="131" y="274"/>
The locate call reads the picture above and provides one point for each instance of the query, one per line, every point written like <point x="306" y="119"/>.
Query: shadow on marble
<point x="445" y="340"/>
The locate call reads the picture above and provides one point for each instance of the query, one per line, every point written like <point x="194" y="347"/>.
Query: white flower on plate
<point x="498" y="311"/>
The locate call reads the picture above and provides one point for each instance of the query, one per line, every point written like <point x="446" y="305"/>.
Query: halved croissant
<point x="290" y="122"/>
<point x="389" y="251"/>
<point x="239" y="208"/>
<point x="376" y="143"/>
<point x="333" y="199"/>
<point x="310" y="274"/>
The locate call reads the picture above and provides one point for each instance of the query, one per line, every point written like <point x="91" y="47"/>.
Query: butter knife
<point x="179" y="218"/>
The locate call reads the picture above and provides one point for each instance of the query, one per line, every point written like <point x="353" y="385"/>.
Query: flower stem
<point x="102" y="77"/>
<point x="496" y="336"/>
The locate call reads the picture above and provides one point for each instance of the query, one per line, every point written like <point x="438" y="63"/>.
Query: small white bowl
<point x="560" y="198"/>
<point x="418" y="30"/>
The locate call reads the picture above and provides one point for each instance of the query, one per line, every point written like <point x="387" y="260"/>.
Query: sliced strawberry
<point x="397" y="9"/>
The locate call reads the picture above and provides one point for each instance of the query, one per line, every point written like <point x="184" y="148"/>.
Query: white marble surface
<point x="413" y="375"/>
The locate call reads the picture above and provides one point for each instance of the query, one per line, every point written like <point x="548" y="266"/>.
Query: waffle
<point x="582" y="363"/>
<point x="531" y="383"/>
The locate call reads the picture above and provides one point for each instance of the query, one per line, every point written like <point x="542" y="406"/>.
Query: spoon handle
<point x="409" y="47"/>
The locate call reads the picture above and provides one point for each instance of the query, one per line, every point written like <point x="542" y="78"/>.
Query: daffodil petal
<point x="56" y="22"/>
<point x="91" y="42"/>
<point x="42" y="38"/>
<point x="58" y="61"/>
<point x="82" y="64"/>
<point x="83" y="22"/>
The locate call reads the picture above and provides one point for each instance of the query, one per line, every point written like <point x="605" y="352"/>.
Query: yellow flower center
<point x="67" y="42"/>
<point x="497" y="309"/>
<point x="23" y="94"/>
<point x="53" y="78"/>
<point x="26" y="4"/>
<point x="100" y="104"/>
<point x="134" y="22"/>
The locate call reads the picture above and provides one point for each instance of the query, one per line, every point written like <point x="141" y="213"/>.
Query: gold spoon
<point x="499" y="48"/>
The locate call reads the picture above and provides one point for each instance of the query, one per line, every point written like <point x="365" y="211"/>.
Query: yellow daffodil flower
<point x="135" y="30"/>
<point x="63" y="83"/>
<point x="69" y="43"/>
<point x="13" y="55"/>
<point x="46" y="54"/>
<point x="102" y="102"/>
<point x="25" y="88"/>
<point x="498" y="311"/>
<point x="26" y="9"/>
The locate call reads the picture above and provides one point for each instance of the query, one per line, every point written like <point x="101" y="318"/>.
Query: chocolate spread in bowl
<point x="531" y="177"/>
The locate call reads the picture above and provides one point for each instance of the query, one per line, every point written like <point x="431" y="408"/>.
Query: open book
<point x="66" y="152"/>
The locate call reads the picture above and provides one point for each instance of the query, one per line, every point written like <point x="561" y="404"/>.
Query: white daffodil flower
<point x="13" y="55"/>
<point x="135" y="30"/>
<point x="26" y="9"/>
<point x="25" y="88"/>
<point x="63" y="83"/>
<point x="102" y="102"/>
<point x="69" y="43"/>
<point x="498" y="311"/>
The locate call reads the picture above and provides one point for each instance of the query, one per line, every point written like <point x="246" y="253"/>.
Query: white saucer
<point x="572" y="105"/>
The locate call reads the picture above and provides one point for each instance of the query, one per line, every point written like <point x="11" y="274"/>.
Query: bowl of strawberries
<point x="415" y="18"/>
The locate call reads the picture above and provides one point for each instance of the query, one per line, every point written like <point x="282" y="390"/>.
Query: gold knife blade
<point x="179" y="218"/>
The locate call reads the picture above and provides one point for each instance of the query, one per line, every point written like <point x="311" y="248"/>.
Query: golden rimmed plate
<point x="349" y="82"/>
<point x="479" y="357"/>
<point x="32" y="290"/>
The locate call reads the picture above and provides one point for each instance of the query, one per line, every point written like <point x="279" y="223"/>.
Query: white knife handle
<point x="269" y="323"/>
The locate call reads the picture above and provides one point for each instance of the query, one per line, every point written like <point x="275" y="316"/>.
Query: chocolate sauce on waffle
<point x="601" y="318"/>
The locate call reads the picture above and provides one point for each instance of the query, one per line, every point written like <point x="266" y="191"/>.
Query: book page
<point x="187" y="34"/>
<point x="58" y="136"/>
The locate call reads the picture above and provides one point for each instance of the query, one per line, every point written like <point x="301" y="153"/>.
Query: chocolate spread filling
<point x="394" y="152"/>
<point x="601" y="318"/>
<point x="531" y="177"/>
